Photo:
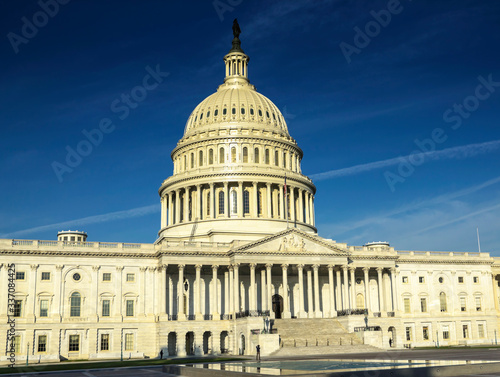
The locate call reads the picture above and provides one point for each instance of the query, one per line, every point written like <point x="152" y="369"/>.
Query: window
<point x="465" y="331"/>
<point x="267" y="158"/>
<point x="284" y="159"/>
<point x="44" y="308"/>
<point x="201" y="116"/>
<point x="130" y="308"/>
<point x="208" y="203"/>
<point x="259" y="202"/>
<point x="104" y="342"/>
<point x="442" y="302"/>
<point x="461" y="279"/>
<point x="246" y="202"/>
<point x="224" y="111"/>
<point x="210" y="156"/>
<point x="421" y="279"/>
<point x="245" y="154"/>
<point x="45" y="275"/>
<point x="478" y="303"/>
<point x="19" y="275"/>
<point x="73" y="238"/>
<point x="425" y="332"/>
<point x="185" y="162"/>
<point x="234" y="202"/>
<point x="251" y="111"/>
<point x="18" y="308"/>
<point x="256" y="155"/>
<point x="480" y="330"/>
<point x="221" y="155"/>
<point x="476" y="280"/>
<point x="200" y="158"/>
<point x="407" y="304"/>
<point x="221" y="202"/>
<point x="17" y="344"/>
<point x="74" y="343"/>
<point x="42" y="343"/>
<point x="105" y="308"/>
<point x="76" y="276"/>
<point x="192" y="160"/>
<point x="129" y="342"/>
<point x="423" y="304"/>
<point x="216" y="112"/>
<point x="441" y="280"/>
<point x="260" y="112"/>
<point x="75" y="304"/>
<point x="463" y="304"/>
<point x="208" y="113"/>
<point x="446" y="332"/>
<point x="408" y="333"/>
<point x="276" y="158"/>
<point x="233" y="155"/>
<point x="242" y="111"/>
<point x="233" y="111"/>
<point x="130" y="277"/>
<point x="360" y="301"/>
<point x="405" y="279"/>
<point x="106" y="276"/>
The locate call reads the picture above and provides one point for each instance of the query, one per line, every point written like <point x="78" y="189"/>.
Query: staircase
<point x="316" y="336"/>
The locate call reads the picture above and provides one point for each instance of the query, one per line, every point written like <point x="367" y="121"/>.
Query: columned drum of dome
<point x="237" y="171"/>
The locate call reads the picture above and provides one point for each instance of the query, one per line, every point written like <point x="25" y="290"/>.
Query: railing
<point x="22" y="242"/>
<point x="377" y="314"/>
<point x="207" y="317"/>
<point x="390" y="314"/>
<point x="367" y="328"/>
<point x="225" y="317"/>
<point x="342" y="313"/>
<point x="74" y="244"/>
<point x="253" y="313"/>
<point x="47" y="243"/>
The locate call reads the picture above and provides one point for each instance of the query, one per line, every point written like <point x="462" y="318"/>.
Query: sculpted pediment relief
<point x="292" y="243"/>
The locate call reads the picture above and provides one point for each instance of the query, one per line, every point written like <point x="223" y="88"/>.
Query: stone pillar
<point x="181" y="315"/>
<point x="215" y="294"/>
<point x="225" y="309"/>
<point x="231" y="289"/>
<point x="186" y="204"/>
<point x="318" y="313"/>
<point x="495" y="291"/>
<point x="226" y="202"/>
<point x="31" y="302"/>
<point x="162" y="289"/>
<point x="366" y="271"/>
<point x="199" y="210"/>
<point x="269" y="290"/>
<point x="142" y="290"/>
<point x="292" y="204"/>
<point x="56" y="310"/>
<point x="394" y="289"/>
<point x="352" y="270"/>
<point x="236" y="288"/>
<point x="310" y="307"/>
<point x="118" y="289"/>
<point x="240" y="199"/>
<point x="286" y="303"/>
<point x="181" y="343"/>
<point x="251" y="291"/>
<point x="170" y="208"/>
<point x="338" y="286"/>
<point x="215" y="342"/>
<point x="330" y="286"/>
<point x="94" y="294"/>
<point x="346" y="289"/>
<point x="313" y="220"/>
<point x="177" y="206"/>
<point x="300" y="268"/>
<point x="282" y="203"/>
<point x="269" y="201"/>
<point x="301" y="205"/>
<point x="263" y="290"/>
<point x="380" y="284"/>
<point x="197" y="293"/>
<point x="164" y="211"/>
<point x="255" y="200"/>
<point x="306" y="203"/>
<point x="212" y="201"/>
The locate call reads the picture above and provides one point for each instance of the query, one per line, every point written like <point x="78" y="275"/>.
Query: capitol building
<point x="238" y="262"/>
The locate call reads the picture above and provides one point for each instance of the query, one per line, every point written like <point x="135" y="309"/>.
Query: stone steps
<point x="323" y="350"/>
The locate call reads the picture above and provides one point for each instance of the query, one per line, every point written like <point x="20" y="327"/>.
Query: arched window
<point x="279" y="201"/>
<point x="221" y="155"/>
<point x="185" y="162"/>
<point x="234" y="202"/>
<point x="284" y="159"/>
<point x="246" y="202"/>
<point x="221" y="202"/>
<point x="216" y="112"/>
<point x="442" y="302"/>
<point x="245" y="154"/>
<point x="75" y="304"/>
<point x="267" y="157"/>
<point x="259" y="202"/>
<point x="200" y="158"/>
<point x="192" y="160"/>
<point x="208" y="204"/>
<point x="276" y="158"/>
<point x="360" y="301"/>
<point x="243" y="111"/>
<point x="233" y="155"/>
<point x="233" y="111"/>
<point x="210" y="156"/>
<point x="224" y="111"/>
<point x="256" y="155"/>
<point x="251" y="111"/>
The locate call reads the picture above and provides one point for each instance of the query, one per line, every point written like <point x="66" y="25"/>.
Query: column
<point x="263" y="290"/>
<point x="143" y="290"/>
<point x="380" y="290"/>
<point x="310" y="307"/>
<point x="236" y="287"/>
<point x="199" y="210"/>
<point x="163" y="211"/>
<point x="318" y="313"/>
<point x="269" y="290"/>
<point x="269" y="202"/>
<point x="352" y="270"/>
<point x="197" y="293"/>
<point x="313" y="220"/>
<point x="346" y="289"/>
<point x="251" y="291"/>
<point x="366" y="271"/>
<point x="306" y="203"/>
<point x="286" y="304"/>
<point x="292" y="204"/>
<point x="301" y="205"/>
<point x="118" y="289"/>
<point x="240" y="199"/>
<point x="330" y="284"/>
<point x="162" y="270"/>
<point x="181" y="343"/>
<point x="215" y="294"/>
<point x="181" y="315"/>
<point x="186" y="204"/>
<point x="212" y="201"/>
<point x="231" y="289"/>
<point x="338" y="286"/>
<point x="394" y="292"/>
<point x="56" y="307"/>
<point x="495" y="291"/>
<point x="300" y="268"/>
<point x="282" y="202"/>
<point x="31" y="302"/>
<point x="225" y="310"/>
<point x="255" y="200"/>
<point x="170" y="209"/>
<point x="94" y="294"/>
<point x="226" y="202"/>
<point x="177" y="206"/>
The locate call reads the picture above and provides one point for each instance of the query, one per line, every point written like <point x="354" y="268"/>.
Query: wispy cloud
<point x="460" y="152"/>
<point x="112" y="216"/>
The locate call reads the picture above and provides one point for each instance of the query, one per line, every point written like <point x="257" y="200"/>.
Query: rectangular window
<point x="425" y="332"/>
<point x="461" y="279"/>
<point x="129" y="342"/>
<point x="408" y="333"/>
<point x="18" y="308"/>
<point x="463" y="304"/>
<point x="104" y="342"/>
<point x="74" y="343"/>
<point x="130" y="278"/>
<point x="405" y="279"/>
<point x="465" y="331"/>
<point x="476" y="280"/>
<point x="478" y="303"/>
<point x="421" y="279"/>
<point x="105" y="308"/>
<point x="45" y="275"/>
<point x="44" y="308"/>
<point x="17" y="344"/>
<point x="407" y="304"/>
<point x="19" y="275"/>
<point x="106" y="276"/>
<point x="480" y="330"/>
<point x="446" y="333"/>
<point x="130" y="308"/>
<point x="42" y="343"/>
<point x="423" y="305"/>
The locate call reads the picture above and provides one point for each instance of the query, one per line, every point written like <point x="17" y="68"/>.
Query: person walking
<point x="161" y="355"/>
<point x="257" y="357"/>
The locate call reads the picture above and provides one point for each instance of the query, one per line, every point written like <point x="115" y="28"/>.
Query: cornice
<point x="444" y="261"/>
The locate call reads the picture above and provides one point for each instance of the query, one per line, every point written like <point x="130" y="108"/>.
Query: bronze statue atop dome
<point x="236" y="40"/>
<point x="236" y="28"/>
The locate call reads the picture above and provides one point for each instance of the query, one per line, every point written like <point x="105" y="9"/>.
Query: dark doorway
<point x="277" y="306"/>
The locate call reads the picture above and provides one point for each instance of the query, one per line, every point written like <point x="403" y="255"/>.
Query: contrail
<point x="118" y="215"/>
<point x="460" y="152"/>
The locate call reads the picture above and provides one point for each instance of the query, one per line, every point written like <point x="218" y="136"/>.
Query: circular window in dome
<point x="441" y="280"/>
<point x="76" y="276"/>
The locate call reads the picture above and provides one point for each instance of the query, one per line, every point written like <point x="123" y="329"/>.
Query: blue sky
<point x="401" y="143"/>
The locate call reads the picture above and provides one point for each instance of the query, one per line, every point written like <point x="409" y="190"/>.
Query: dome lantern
<point x="236" y="60"/>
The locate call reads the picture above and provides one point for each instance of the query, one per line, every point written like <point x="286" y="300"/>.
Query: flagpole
<point x="478" y="242"/>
